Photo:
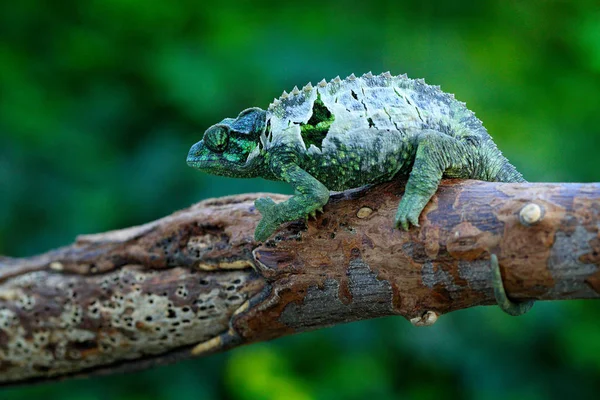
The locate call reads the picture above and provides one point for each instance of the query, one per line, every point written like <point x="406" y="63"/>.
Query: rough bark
<point x="146" y="295"/>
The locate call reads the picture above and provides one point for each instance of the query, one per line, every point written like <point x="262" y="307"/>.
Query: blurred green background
<point x="100" y="101"/>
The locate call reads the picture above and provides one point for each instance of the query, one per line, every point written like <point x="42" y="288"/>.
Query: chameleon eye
<point x="216" y="138"/>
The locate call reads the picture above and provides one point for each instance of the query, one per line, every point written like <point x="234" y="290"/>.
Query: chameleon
<point x="347" y="133"/>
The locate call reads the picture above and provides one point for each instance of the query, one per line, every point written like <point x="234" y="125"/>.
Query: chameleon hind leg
<point x="311" y="195"/>
<point x="436" y="154"/>
<point x="508" y="306"/>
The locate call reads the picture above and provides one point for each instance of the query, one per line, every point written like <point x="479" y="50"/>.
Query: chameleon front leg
<point x="311" y="195"/>
<point x="436" y="154"/>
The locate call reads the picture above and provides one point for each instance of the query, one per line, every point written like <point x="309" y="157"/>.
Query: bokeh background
<point x="100" y="101"/>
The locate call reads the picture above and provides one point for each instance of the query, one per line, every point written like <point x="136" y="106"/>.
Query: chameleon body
<point x="347" y="133"/>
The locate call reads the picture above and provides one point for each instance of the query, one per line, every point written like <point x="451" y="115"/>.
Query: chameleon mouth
<point x="198" y="157"/>
<point x="201" y="158"/>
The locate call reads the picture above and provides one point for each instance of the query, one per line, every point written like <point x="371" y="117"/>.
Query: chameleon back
<point x="373" y="122"/>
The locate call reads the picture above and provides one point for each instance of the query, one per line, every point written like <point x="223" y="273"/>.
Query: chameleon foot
<point x="508" y="306"/>
<point x="409" y="210"/>
<point x="268" y="224"/>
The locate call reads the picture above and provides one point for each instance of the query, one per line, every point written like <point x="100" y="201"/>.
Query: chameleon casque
<point x="348" y="133"/>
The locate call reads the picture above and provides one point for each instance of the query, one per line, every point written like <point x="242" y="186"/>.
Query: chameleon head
<point x="231" y="147"/>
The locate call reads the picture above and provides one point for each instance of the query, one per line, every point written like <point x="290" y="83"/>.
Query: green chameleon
<point x="348" y="133"/>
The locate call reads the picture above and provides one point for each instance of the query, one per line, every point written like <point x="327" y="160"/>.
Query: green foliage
<point x="100" y="101"/>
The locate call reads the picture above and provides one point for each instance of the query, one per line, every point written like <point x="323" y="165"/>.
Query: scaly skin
<point x="349" y="133"/>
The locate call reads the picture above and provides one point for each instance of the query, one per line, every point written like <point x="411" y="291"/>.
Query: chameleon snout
<point x="193" y="156"/>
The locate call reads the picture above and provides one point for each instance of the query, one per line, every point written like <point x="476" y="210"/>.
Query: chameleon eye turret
<point x="250" y="121"/>
<point x="216" y="138"/>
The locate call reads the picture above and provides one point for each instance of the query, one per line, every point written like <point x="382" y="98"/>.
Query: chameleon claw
<point x="404" y="222"/>
<point x="414" y="222"/>
<point x="508" y="306"/>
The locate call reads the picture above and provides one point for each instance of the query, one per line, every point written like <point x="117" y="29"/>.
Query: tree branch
<point x="148" y="295"/>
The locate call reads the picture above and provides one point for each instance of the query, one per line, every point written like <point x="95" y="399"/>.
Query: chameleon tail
<point x="508" y="173"/>
<point x="496" y="168"/>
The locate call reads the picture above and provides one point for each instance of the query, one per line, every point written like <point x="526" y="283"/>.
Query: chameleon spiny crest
<point x="348" y="133"/>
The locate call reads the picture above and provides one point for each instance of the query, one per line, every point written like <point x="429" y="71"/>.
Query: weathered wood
<point x="147" y="295"/>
